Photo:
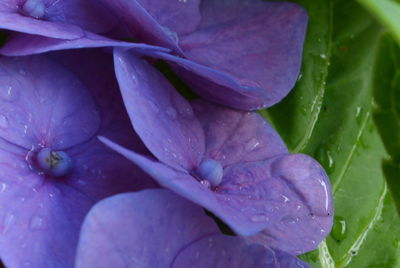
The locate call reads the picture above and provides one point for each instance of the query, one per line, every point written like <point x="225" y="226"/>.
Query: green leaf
<point x="329" y="116"/>
<point x="386" y="88"/>
<point x="387" y="12"/>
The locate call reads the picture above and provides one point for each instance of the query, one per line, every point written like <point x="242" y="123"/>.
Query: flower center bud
<point x="34" y="8"/>
<point x="211" y="171"/>
<point x="54" y="163"/>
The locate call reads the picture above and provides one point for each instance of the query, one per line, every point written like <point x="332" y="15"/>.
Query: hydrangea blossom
<point x="244" y="54"/>
<point x="156" y="228"/>
<point x="52" y="166"/>
<point x="228" y="161"/>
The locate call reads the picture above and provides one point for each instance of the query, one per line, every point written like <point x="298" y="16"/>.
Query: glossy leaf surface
<point x="329" y="116"/>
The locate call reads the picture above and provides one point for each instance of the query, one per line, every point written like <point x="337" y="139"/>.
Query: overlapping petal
<point x="262" y="188"/>
<point x="156" y="228"/>
<point x="20" y="44"/>
<point x="221" y="251"/>
<point x="56" y="19"/>
<point x="163" y="119"/>
<point x="244" y="54"/>
<point x="158" y="22"/>
<point x="63" y="109"/>
<point x="257" y="44"/>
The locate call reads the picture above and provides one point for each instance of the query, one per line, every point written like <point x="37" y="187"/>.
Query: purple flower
<point x="228" y="161"/>
<point x="52" y="166"/>
<point x="64" y="19"/>
<point x="156" y="228"/>
<point x="243" y="54"/>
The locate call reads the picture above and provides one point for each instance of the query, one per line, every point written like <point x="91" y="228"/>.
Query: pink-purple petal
<point x="163" y="119"/>
<point x="234" y="136"/>
<point x="145" y="229"/>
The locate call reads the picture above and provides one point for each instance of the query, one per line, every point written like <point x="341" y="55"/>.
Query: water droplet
<point x="299" y="77"/>
<point x="205" y="183"/>
<point x="339" y="230"/>
<point x="252" y="144"/>
<point x="22" y="72"/>
<point x="34" y="8"/>
<point x="358" y="114"/>
<point x="36" y="223"/>
<point x="154" y="107"/>
<point x="7" y="222"/>
<point x="285" y="198"/>
<point x="323" y="56"/>
<point x="8" y="93"/>
<point x="3" y="121"/>
<point x="325" y="158"/>
<point x="3" y="187"/>
<point x="259" y="218"/>
<point x="171" y="112"/>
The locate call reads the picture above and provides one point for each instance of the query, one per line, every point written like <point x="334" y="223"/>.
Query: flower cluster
<point x="79" y="187"/>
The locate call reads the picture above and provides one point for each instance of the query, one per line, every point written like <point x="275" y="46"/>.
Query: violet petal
<point x="145" y="229"/>
<point x="158" y="22"/>
<point x="259" y="44"/>
<point x="221" y="251"/>
<point x="163" y="119"/>
<point x="56" y="19"/>
<point x="41" y="214"/>
<point x="234" y="136"/>
<point x="21" y="44"/>
<point x="290" y="193"/>
<point x="255" y="196"/>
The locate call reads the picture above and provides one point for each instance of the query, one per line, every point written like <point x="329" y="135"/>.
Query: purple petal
<point x="145" y="229"/>
<point x="56" y="19"/>
<point x="158" y="22"/>
<point x="259" y="44"/>
<point x="256" y="196"/>
<point x="44" y="114"/>
<point x="11" y="20"/>
<point x="41" y="214"/>
<point x="163" y="119"/>
<point x="234" y="136"/>
<point x="39" y="221"/>
<point x="220" y="251"/>
<point x="271" y="195"/>
<point x="90" y="15"/>
<point x="292" y="193"/>
<point x="247" y="56"/>
<point x="179" y="16"/>
<point x="20" y="44"/>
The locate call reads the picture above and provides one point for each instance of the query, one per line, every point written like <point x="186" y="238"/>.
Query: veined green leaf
<point x="329" y="116"/>
<point x="386" y="88"/>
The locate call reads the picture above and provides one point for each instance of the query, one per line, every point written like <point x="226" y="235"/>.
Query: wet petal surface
<point x="163" y="119"/>
<point x="41" y="213"/>
<point x="234" y="136"/>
